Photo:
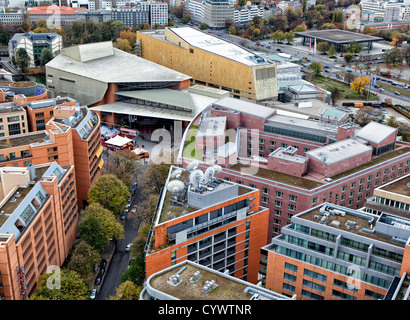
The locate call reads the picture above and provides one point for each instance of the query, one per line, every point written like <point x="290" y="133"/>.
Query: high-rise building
<point x="216" y="12"/>
<point x="331" y="252"/>
<point x="38" y="219"/>
<point x="215" y="223"/>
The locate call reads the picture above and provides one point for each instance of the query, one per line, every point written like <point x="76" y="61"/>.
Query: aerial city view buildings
<point x="205" y="150"/>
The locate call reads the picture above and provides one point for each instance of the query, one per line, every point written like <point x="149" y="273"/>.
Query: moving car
<point x="397" y="93"/>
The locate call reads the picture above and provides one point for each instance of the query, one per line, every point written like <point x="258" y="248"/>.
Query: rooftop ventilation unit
<point x="195" y="178"/>
<point x="195" y="277"/>
<point x="209" y="286"/>
<point x="174" y="280"/>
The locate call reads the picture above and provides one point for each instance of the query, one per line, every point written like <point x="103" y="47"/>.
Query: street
<point x="120" y="258"/>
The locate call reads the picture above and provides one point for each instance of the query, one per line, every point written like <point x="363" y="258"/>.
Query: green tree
<point x="5" y="35"/>
<point x="316" y="67"/>
<point x="394" y="57"/>
<point x="332" y="51"/>
<point x="22" y="59"/>
<point x="45" y="57"/>
<point x="127" y="291"/>
<point x="91" y="231"/>
<point x="83" y="259"/>
<point x="232" y="30"/>
<point x="110" y="192"/>
<point x="348" y="57"/>
<point x="136" y="272"/>
<point x="72" y="286"/>
<point x="354" y="47"/>
<point x="203" y="26"/>
<point x="322" y="46"/>
<point x="289" y="36"/>
<point x="112" y="228"/>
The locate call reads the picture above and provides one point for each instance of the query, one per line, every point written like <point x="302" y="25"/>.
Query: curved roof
<point x="102" y="62"/>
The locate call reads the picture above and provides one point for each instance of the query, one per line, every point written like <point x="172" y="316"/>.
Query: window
<point x="13" y="119"/>
<point x="279" y="194"/>
<point x="265" y="190"/>
<point x="292" y="198"/>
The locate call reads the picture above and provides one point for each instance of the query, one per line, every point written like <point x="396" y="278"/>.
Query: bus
<point x="129" y="133"/>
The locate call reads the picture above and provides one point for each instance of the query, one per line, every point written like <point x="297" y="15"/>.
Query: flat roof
<point x="245" y="107"/>
<point x="22" y="140"/>
<point x="304" y="125"/>
<point x="399" y="186"/>
<point x="219" y="46"/>
<point x="375" y="132"/>
<point x="338" y="36"/>
<point x="339" y="151"/>
<point x="112" y="65"/>
<point x="228" y="287"/>
<point x="358" y="221"/>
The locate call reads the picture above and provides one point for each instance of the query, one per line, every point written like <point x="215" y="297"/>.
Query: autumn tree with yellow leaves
<point x="359" y="84"/>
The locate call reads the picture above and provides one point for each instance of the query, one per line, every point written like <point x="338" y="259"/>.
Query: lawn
<point x="349" y="94"/>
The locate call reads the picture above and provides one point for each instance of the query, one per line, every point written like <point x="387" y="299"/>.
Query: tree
<point x="154" y="178"/>
<point x="5" y="35"/>
<point x="203" y="26"/>
<point x="121" y="163"/>
<point x="366" y="115"/>
<point x="354" y="47"/>
<point x="394" y="57"/>
<point x="348" y="57"/>
<point x="22" y="59"/>
<point x="45" y="57"/>
<point x="72" y="287"/>
<point x="136" y="272"/>
<point x="335" y="94"/>
<point x="316" y="67"/>
<point x="110" y="192"/>
<point x="232" y="30"/>
<point x="123" y="45"/>
<point x="300" y="28"/>
<point x="92" y="232"/>
<point x="359" y="84"/>
<point x="322" y="47"/>
<point x="332" y="51"/>
<point x="83" y="259"/>
<point x="349" y="77"/>
<point x="146" y="209"/>
<point x="112" y="228"/>
<point x="127" y="291"/>
<point x="289" y="36"/>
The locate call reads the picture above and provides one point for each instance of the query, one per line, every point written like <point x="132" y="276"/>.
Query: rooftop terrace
<point x="349" y="220"/>
<point x="22" y="140"/>
<point x="400" y="186"/>
<point x="187" y="288"/>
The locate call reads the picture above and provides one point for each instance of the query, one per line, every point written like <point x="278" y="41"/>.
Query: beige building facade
<point x="211" y="61"/>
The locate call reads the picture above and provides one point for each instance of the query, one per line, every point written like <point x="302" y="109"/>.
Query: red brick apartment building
<point x="38" y="219"/>
<point x="203" y="219"/>
<point x="295" y="163"/>
<point x="63" y="132"/>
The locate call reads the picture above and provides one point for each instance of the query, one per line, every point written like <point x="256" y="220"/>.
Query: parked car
<point x="98" y="279"/>
<point x="128" y="247"/>
<point x="278" y="49"/>
<point x="102" y="271"/>
<point x="123" y="215"/>
<point x="103" y="263"/>
<point x="93" y="294"/>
